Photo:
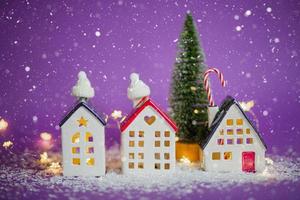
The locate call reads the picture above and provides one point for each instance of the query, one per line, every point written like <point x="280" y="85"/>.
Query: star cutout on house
<point x="82" y="122"/>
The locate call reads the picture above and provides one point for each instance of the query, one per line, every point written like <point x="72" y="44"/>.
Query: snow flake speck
<point x="247" y="13"/>
<point x="97" y="33"/>
<point x="27" y="69"/>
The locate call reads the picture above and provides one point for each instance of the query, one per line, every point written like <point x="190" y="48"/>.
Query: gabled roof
<point x="135" y="112"/>
<point x="225" y="106"/>
<point x="78" y="105"/>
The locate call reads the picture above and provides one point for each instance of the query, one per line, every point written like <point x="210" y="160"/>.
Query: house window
<point x="221" y="132"/>
<point x="249" y="140"/>
<point x="131" y="133"/>
<point x="130" y="165"/>
<point x="229" y="131"/>
<point x="167" y="133"/>
<point x="157" y="133"/>
<point x="131" y="143"/>
<point x="239" y="141"/>
<point x="89" y="150"/>
<point x="89" y="137"/>
<point x="141" y="143"/>
<point x="229" y="141"/>
<point x="216" y="156"/>
<point x="76" y="138"/>
<point x="227" y="155"/>
<point x="167" y="156"/>
<point x="220" y="141"/>
<point x="76" y="161"/>
<point x="157" y="143"/>
<point x="248" y="130"/>
<point x="157" y="156"/>
<point x="167" y="143"/>
<point x="167" y="165"/>
<point x="239" y="122"/>
<point x="141" y="133"/>
<point x="90" y="161"/>
<point x="131" y="155"/>
<point x="141" y="165"/>
<point x="239" y="131"/>
<point x="229" y="122"/>
<point x="75" y="150"/>
<point x="141" y="156"/>
<point x="157" y="166"/>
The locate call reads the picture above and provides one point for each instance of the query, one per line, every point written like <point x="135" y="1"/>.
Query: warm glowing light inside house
<point x="185" y="160"/>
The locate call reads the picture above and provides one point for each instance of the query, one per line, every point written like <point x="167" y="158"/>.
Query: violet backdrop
<point x="43" y="45"/>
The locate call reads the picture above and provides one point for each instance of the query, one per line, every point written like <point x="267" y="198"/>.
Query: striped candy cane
<point x="207" y="86"/>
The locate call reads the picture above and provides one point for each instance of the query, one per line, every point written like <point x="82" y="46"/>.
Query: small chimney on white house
<point x="212" y="111"/>
<point x="137" y="89"/>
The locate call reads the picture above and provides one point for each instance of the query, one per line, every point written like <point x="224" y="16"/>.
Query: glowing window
<point x="141" y="143"/>
<point x="141" y="133"/>
<point x="157" y="166"/>
<point x="221" y="132"/>
<point x="75" y="150"/>
<point x="131" y="133"/>
<point x="229" y="122"/>
<point x="167" y="156"/>
<point x="216" y="155"/>
<point x="239" y="122"/>
<point x="131" y="143"/>
<point x="157" y="143"/>
<point x="220" y="141"/>
<point x="227" y="155"/>
<point x="249" y="140"/>
<point x="131" y="155"/>
<point x="89" y="137"/>
<point x="141" y="165"/>
<point x="76" y="161"/>
<point x="248" y="130"/>
<point x="167" y="143"/>
<point x="229" y="131"/>
<point x="167" y="133"/>
<point x="229" y="141"/>
<point x="239" y="131"/>
<point x="239" y="141"/>
<point x="76" y="138"/>
<point x="157" y="156"/>
<point x="131" y="165"/>
<point x="141" y="155"/>
<point x="157" y="133"/>
<point x="89" y="150"/>
<point x="90" y="161"/>
<point x="167" y="165"/>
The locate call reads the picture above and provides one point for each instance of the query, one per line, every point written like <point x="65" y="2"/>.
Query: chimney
<point x="212" y="111"/>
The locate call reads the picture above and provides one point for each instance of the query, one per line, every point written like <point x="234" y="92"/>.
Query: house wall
<point x="149" y="148"/>
<point x="94" y="126"/>
<point x="235" y="164"/>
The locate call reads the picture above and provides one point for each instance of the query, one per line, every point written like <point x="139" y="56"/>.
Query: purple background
<point x="56" y="40"/>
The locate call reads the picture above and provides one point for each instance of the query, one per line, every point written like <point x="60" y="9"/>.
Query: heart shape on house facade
<point x="149" y="119"/>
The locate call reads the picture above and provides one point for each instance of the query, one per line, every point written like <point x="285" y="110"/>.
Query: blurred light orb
<point x="3" y="125"/>
<point x="46" y="136"/>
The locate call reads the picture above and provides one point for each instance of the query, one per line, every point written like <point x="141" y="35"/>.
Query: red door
<point x="248" y="161"/>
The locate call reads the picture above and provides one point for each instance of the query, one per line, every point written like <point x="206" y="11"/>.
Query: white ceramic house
<point x="233" y="143"/>
<point x="147" y="134"/>
<point x="83" y="135"/>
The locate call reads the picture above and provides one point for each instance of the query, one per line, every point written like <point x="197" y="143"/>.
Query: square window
<point x="227" y="155"/>
<point x="157" y="143"/>
<point x="167" y="156"/>
<point x="75" y="150"/>
<point x="157" y="133"/>
<point x="157" y="156"/>
<point x="76" y="161"/>
<point x="229" y="141"/>
<point x="141" y="133"/>
<point x="89" y="137"/>
<point x="157" y="166"/>
<point x="141" y="143"/>
<point x="130" y="165"/>
<point x="248" y="130"/>
<point x="141" y="165"/>
<point x="229" y="122"/>
<point x="131" y="155"/>
<point x="229" y="131"/>
<point x="141" y="155"/>
<point x="131" y="133"/>
<point x="167" y="165"/>
<point x="221" y="132"/>
<point x="167" y="143"/>
<point x="239" y="131"/>
<point x="131" y="143"/>
<point x="89" y="150"/>
<point x="220" y="141"/>
<point x="249" y="140"/>
<point x="90" y="161"/>
<point x="167" y="133"/>
<point x="216" y="156"/>
<point x="239" y="141"/>
<point x="239" y="122"/>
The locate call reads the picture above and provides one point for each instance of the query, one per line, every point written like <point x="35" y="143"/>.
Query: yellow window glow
<point x="131" y="133"/>
<point x="167" y="156"/>
<point x="141" y="155"/>
<point x="76" y="161"/>
<point x="157" y="156"/>
<point x="229" y="122"/>
<point x="248" y="130"/>
<point x="89" y="137"/>
<point x="75" y="150"/>
<point x="167" y="133"/>
<point x="131" y="143"/>
<point x="227" y="155"/>
<point x="90" y="161"/>
<point x="131" y="165"/>
<point x="157" y="133"/>
<point x="157" y="143"/>
<point x="167" y="143"/>
<point x="216" y="156"/>
<point x="141" y="133"/>
<point x="76" y="138"/>
<point x="239" y="122"/>
<point x="131" y="155"/>
<point x="167" y="165"/>
<point x="141" y="143"/>
<point x="229" y="131"/>
<point x="239" y="131"/>
<point x="141" y="165"/>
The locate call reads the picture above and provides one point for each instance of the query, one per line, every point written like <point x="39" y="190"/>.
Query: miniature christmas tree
<point x="188" y="98"/>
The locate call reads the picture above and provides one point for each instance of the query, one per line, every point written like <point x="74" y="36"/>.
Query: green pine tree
<point x="188" y="98"/>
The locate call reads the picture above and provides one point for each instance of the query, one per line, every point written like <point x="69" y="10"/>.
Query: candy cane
<point x="207" y="86"/>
